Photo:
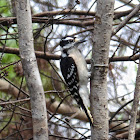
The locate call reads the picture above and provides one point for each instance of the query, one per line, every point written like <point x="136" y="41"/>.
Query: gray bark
<point x="31" y="72"/>
<point x="132" y="125"/>
<point x="100" y="59"/>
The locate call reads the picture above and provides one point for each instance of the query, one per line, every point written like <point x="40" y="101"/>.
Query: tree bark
<point x="132" y="125"/>
<point x="100" y="60"/>
<point x="31" y="72"/>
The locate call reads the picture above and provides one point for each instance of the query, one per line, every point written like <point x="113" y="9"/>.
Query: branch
<point x="12" y="20"/>
<point x="50" y="56"/>
<point x="124" y="22"/>
<point x="64" y="12"/>
<point x="125" y="135"/>
<point x="117" y="14"/>
<point x="64" y="109"/>
<point x="8" y="87"/>
<point x="39" y="18"/>
<point x="13" y="102"/>
<point x="39" y="54"/>
<point x="130" y="4"/>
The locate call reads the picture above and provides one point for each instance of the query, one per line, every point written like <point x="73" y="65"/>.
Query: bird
<point x="74" y="70"/>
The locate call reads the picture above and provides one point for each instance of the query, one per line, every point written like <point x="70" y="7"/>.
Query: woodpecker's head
<point x="70" y="41"/>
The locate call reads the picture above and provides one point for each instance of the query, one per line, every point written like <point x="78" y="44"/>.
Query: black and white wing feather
<point x="70" y="74"/>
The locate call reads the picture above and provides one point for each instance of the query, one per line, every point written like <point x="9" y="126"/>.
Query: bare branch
<point x="124" y="22"/>
<point x="130" y="4"/>
<point x="50" y="56"/>
<point x="39" y="19"/>
<point x="72" y="112"/>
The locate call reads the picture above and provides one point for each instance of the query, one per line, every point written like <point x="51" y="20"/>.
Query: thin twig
<point x="13" y="102"/>
<point x="119" y="110"/>
<point x="58" y="106"/>
<point x="124" y="22"/>
<point x="15" y="86"/>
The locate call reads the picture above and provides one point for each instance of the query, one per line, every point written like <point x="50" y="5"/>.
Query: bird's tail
<point x="85" y="102"/>
<point x="87" y="112"/>
<point x="84" y="107"/>
<point x="82" y="100"/>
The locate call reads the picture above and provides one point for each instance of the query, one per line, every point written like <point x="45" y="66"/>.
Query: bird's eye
<point x="65" y="41"/>
<point x="71" y="40"/>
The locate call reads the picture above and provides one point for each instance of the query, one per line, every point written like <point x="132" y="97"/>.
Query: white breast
<point x="83" y="74"/>
<point x="81" y="65"/>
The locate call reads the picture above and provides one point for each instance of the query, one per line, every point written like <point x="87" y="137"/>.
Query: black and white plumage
<point x="74" y="70"/>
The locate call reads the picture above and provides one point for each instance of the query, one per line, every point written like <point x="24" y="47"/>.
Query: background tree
<point x="31" y="72"/>
<point x="51" y="21"/>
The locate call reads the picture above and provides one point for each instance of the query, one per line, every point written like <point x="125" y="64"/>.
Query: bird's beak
<point x="77" y="41"/>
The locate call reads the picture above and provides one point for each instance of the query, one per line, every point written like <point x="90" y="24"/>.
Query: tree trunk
<point x="31" y="72"/>
<point x="132" y="126"/>
<point x="100" y="60"/>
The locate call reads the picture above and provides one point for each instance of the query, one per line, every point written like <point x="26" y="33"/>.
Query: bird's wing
<point x="70" y="74"/>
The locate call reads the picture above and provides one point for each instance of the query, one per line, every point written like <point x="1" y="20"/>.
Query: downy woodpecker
<point x="74" y="70"/>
